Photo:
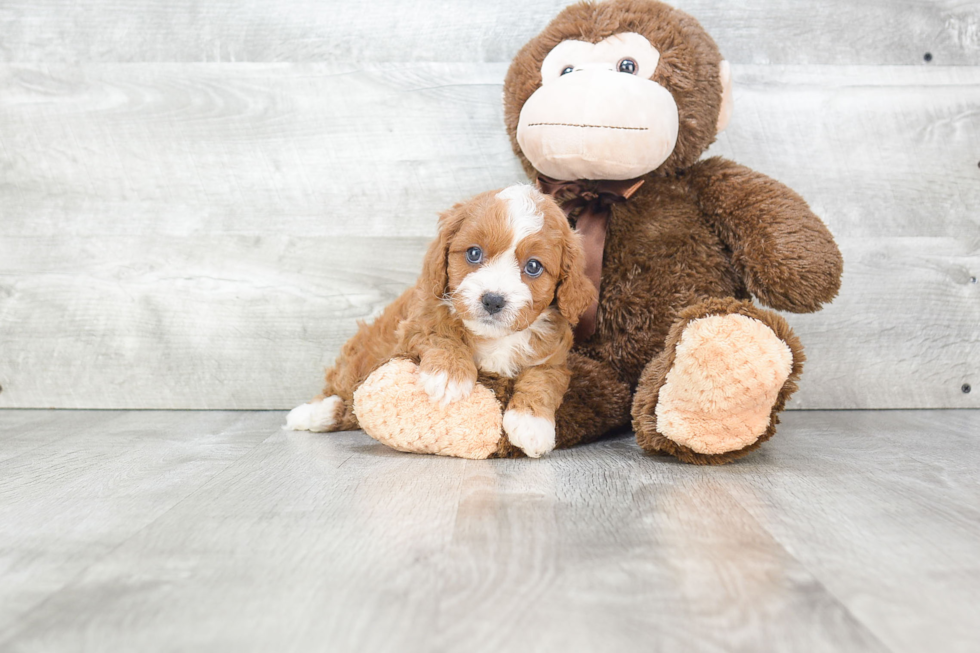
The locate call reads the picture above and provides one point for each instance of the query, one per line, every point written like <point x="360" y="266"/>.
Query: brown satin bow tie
<point x="588" y="203"/>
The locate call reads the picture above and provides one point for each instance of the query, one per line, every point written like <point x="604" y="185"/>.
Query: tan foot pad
<point x="393" y="408"/>
<point x="719" y="394"/>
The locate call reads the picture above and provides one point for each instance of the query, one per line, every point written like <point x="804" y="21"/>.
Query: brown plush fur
<point x="698" y="238"/>
<point x="425" y="324"/>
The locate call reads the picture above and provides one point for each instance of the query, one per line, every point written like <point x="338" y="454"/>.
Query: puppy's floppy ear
<point x="575" y="291"/>
<point x="435" y="273"/>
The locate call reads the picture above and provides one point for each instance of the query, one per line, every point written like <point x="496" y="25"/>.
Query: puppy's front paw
<point x="445" y="377"/>
<point x="317" y="416"/>
<point x="535" y="436"/>
<point x="441" y="388"/>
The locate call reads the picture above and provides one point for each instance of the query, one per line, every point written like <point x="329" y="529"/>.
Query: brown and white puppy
<point x="500" y="289"/>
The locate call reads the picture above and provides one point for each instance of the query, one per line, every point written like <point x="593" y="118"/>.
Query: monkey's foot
<point x="394" y="409"/>
<point x="714" y="393"/>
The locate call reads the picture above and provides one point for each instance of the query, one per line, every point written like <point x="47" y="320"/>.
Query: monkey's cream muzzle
<point x="597" y="123"/>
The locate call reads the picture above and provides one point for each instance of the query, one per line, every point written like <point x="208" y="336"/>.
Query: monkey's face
<point x="616" y="90"/>
<point x="598" y="114"/>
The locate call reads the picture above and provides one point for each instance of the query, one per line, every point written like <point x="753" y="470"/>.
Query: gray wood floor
<point x="217" y="531"/>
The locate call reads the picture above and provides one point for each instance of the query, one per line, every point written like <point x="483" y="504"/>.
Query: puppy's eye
<point x="474" y="255"/>
<point x="567" y="69"/>
<point x="533" y="268"/>
<point x="627" y="66"/>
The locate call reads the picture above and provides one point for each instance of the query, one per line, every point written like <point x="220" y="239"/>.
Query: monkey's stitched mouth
<point x="569" y="124"/>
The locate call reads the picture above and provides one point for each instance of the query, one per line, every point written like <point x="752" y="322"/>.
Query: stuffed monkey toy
<point x="609" y="109"/>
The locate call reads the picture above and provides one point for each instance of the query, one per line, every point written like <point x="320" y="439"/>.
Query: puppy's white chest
<point x="504" y="356"/>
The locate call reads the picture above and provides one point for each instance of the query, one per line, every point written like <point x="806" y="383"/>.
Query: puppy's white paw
<point x="434" y="384"/>
<point x="533" y="435"/>
<point x="317" y="416"/>
<point x="457" y="390"/>
<point x="441" y="389"/>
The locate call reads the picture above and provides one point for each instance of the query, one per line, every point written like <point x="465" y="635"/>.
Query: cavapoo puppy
<point x="501" y="287"/>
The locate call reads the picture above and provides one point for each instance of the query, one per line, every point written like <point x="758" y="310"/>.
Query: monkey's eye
<point x="533" y="268"/>
<point x="567" y="69"/>
<point x="474" y="255"/>
<point x="627" y="66"/>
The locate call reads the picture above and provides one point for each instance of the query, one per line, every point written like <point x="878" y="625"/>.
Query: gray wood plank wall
<point x="197" y="200"/>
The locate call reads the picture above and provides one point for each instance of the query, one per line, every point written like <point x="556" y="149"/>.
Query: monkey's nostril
<point x="492" y="302"/>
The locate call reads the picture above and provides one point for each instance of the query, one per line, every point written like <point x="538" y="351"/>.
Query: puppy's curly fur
<point x="446" y="326"/>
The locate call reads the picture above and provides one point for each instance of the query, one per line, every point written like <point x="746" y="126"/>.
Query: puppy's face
<point x="509" y="253"/>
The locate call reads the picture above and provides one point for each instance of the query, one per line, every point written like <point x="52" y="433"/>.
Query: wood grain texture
<point x="876" y="151"/>
<point x="902" y="333"/>
<point x="201" y="531"/>
<point x="168" y="322"/>
<point x="866" y="477"/>
<point x="758" y="31"/>
<point x="677" y="536"/>
<point x="185" y="149"/>
<point x="27" y="430"/>
<point x="205" y="236"/>
<point x="91" y="481"/>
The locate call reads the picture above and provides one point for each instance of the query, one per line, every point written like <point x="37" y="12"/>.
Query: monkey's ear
<point x="435" y="273"/>
<point x="575" y="291"/>
<point x="727" y="100"/>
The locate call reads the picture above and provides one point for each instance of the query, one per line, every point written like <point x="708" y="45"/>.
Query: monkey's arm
<point x="785" y="253"/>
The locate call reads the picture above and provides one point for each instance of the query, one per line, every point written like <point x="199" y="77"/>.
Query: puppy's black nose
<point x="493" y="302"/>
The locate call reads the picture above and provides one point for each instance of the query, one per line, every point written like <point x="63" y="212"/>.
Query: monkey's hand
<point x="784" y="252"/>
